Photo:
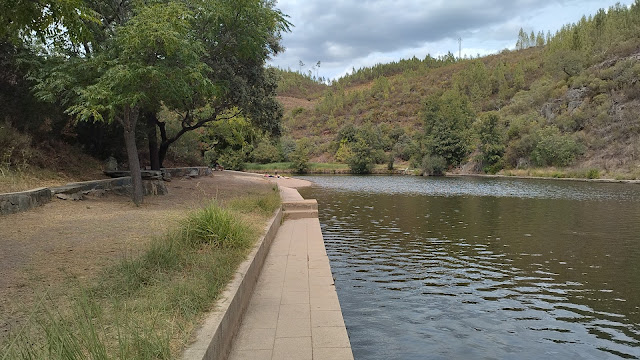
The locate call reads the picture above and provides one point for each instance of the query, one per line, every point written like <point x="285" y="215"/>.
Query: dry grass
<point x="61" y="245"/>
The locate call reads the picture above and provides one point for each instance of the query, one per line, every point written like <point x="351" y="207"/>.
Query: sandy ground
<point x="45" y="248"/>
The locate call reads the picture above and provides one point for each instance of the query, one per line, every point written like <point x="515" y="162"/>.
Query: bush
<point x="265" y="153"/>
<point x="15" y="148"/>
<point x="300" y="157"/>
<point x="362" y="158"/>
<point x="433" y="165"/>
<point x="232" y="160"/>
<point x="554" y="148"/>
<point x="217" y="227"/>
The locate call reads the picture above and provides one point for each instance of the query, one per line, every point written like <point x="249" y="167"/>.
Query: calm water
<point x="469" y="268"/>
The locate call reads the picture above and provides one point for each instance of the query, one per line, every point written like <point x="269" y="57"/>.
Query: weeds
<point x="147" y="306"/>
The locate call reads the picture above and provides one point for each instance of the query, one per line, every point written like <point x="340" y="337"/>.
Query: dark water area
<point x="476" y="268"/>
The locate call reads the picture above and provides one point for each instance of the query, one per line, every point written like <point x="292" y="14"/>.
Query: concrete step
<point x="311" y="204"/>
<point x="300" y="214"/>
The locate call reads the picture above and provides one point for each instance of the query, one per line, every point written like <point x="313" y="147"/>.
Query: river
<point x="484" y="268"/>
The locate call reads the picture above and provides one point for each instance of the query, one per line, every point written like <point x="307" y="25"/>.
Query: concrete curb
<point x="215" y="337"/>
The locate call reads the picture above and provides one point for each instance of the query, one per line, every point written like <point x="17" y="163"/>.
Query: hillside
<point x="570" y="102"/>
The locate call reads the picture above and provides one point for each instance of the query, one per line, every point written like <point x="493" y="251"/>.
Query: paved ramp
<point x="294" y="311"/>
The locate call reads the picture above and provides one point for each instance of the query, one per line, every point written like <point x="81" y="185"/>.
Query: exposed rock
<point x="75" y="196"/>
<point x="111" y="164"/>
<point x="577" y="94"/>
<point x="573" y="105"/>
<point x="551" y="110"/>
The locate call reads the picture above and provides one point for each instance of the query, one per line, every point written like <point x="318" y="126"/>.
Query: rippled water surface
<point x="473" y="268"/>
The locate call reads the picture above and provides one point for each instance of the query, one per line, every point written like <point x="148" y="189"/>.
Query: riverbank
<point x="57" y="257"/>
<point x="380" y="169"/>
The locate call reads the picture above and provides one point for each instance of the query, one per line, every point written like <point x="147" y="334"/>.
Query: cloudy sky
<point x="343" y="34"/>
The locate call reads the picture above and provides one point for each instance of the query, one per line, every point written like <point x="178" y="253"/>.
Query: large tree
<point x="152" y="61"/>
<point x="238" y="37"/>
<point x="199" y="59"/>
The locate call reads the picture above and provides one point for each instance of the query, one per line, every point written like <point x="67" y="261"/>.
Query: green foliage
<point x="344" y="152"/>
<point x="565" y="63"/>
<point x="554" y="148"/>
<point x="447" y="120"/>
<point x="265" y="152"/>
<point x="287" y="146"/>
<point x="491" y="139"/>
<point x="300" y="157"/>
<point x="362" y="156"/>
<point x="154" y="61"/>
<point x="433" y="165"/>
<point x="232" y="160"/>
<point x="474" y="81"/>
<point x="405" y="147"/>
<point x="57" y="21"/>
<point x="216" y="227"/>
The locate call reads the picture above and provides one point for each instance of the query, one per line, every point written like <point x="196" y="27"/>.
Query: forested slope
<point x="568" y="100"/>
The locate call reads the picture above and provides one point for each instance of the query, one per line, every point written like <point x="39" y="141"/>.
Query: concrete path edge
<point x="215" y="337"/>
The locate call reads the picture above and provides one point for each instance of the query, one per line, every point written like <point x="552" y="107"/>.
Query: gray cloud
<point x="338" y="33"/>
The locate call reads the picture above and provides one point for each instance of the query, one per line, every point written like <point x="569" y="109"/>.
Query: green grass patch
<point x="147" y="306"/>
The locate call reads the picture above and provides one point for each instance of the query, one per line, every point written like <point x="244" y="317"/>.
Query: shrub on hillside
<point x="15" y="148"/>
<point x="554" y="148"/>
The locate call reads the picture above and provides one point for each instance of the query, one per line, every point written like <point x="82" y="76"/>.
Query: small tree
<point x="362" y="158"/>
<point x="300" y="157"/>
<point x="491" y="141"/>
<point x="447" y="119"/>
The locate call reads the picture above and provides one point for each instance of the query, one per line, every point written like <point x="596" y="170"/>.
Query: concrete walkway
<point x="294" y="311"/>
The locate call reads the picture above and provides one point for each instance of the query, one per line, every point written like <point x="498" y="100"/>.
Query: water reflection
<point x="525" y="269"/>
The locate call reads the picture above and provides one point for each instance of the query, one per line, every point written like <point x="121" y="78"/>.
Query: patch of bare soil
<point x="45" y="249"/>
<point x="290" y="103"/>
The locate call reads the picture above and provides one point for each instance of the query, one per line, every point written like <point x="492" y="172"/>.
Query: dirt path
<point x="43" y="249"/>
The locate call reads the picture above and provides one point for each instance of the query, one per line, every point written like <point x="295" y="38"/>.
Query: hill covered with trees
<point x="76" y="75"/>
<point x="566" y="102"/>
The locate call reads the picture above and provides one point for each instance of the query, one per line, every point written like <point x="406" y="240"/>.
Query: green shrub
<point x="434" y="165"/>
<point x="362" y="157"/>
<point x="300" y="157"/>
<point x="232" y="160"/>
<point x="593" y="174"/>
<point x="217" y="227"/>
<point x="554" y="148"/>
<point x="265" y="152"/>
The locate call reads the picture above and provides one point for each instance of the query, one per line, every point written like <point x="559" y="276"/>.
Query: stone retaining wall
<point x="11" y="203"/>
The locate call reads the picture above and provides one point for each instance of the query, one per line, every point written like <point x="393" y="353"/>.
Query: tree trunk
<point x="129" y="124"/>
<point x="152" y="136"/>
<point x="164" y="145"/>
